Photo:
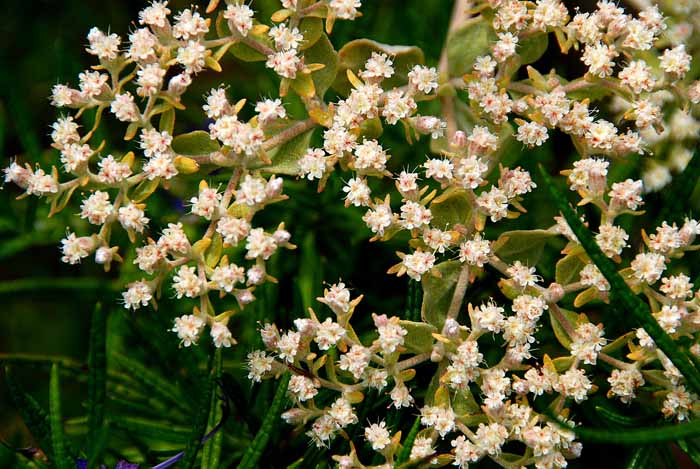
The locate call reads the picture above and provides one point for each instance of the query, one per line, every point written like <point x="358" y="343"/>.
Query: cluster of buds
<point x="475" y="406"/>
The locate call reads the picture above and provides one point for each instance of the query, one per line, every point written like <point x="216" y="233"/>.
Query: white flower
<point x="97" y="208"/>
<point x="378" y="436"/>
<point x="186" y="282"/>
<point x="138" y="294"/>
<point x="423" y="78"/>
<point x="132" y="217"/>
<point x="188" y="328"/>
<point x="221" y="335"/>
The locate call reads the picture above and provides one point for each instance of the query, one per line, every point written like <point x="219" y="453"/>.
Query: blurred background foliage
<point x="47" y="304"/>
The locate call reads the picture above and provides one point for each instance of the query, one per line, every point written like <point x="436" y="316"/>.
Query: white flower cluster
<point x="443" y="205"/>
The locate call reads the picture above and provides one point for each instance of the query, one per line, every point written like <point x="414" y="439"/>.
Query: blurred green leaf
<point x="61" y="457"/>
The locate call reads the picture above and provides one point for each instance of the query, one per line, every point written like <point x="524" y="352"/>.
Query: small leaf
<point x="526" y="246"/>
<point x="569" y="267"/>
<point x="450" y="209"/>
<point x="285" y="159"/>
<point x="420" y="336"/>
<point x="322" y="53"/>
<point x="437" y="292"/>
<point x="311" y="29"/>
<point x="467" y="43"/>
<point x="354" y="55"/>
<point x="530" y="49"/>
<point x="58" y="439"/>
<point x="194" y="143"/>
<point x="258" y="445"/>
<point x="144" y="190"/>
<point x="303" y="85"/>
<point x="560" y="330"/>
<point x="167" y="121"/>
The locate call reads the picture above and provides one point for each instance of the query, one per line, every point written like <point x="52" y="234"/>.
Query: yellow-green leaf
<point x="194" y="143"/>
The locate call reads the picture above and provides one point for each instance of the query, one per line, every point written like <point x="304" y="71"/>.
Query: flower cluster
<point x="448" y="207"/>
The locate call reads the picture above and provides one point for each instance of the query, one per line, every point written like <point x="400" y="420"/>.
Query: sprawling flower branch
<point x="445" y="205"/>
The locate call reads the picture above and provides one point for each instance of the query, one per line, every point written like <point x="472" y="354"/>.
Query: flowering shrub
<point x="528" y="323"/>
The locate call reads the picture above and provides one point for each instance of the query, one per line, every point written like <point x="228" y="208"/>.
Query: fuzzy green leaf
<point x="530" y="49"/>
<point x="144" y="189"/>
<point x="569" y="268"/>
<point x="322" y="53"/>
<point x="437" y="292"/>
<point x="467" y="43"/>
<point x="525" y="246"/>
<point x="420" y="336"/>
<point x="451" y="209"/>
<point x="194" y="143"/>
<point x="354" y="55"/>
<point x="285" y="159"/>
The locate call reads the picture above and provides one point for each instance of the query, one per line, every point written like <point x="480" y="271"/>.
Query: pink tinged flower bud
<point x="459" y="140"/>
<point x="244" y="297"/>
<point x="179" y="83"/>
<point x="103" y="255"/>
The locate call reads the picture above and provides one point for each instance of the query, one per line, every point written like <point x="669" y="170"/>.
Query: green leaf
<point x="450" y="209"/>
<point x="201" y="417"/>
<point x="525" y="246"/>
<point x="467" y="43"/>
<point x="258" y="445"/>
<point x="97" y="379"/>
<point x="167" y="121"/>
<point x="691" y="449"/>
<point x="34" y="417"/>
<point x="621" y="292"/>
<point x="58" y="439"/>
<point x="211" y="453"/>
<point x="144" y="190"/>
<point x="194" y="143"/>
<point x="153" y="382"/>
<point x="322" y="53"/>
<point x="153" y="431"/>
<point x="639" y="436"/>
<point x="354" y="55"/>
<point x="640" y="457"/>
<point x="285" y="160"/>
<point x="437" y="292"/>
<point x="569" y="268"/>
<point x="532" y="48"/>
<point x="405" y="452"/>
<point x="420" y="336"/>
<point x="311" y="29"/>
<point x="559" y="329"/>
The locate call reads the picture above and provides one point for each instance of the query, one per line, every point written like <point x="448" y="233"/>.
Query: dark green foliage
<point x="256" y="448"/>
